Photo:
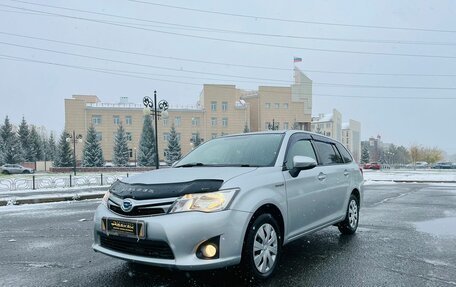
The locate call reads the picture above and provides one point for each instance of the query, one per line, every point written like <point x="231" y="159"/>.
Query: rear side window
<point x="328" y="153"/>
<point x="302" y="148"/>
<point x="344" y="153"/>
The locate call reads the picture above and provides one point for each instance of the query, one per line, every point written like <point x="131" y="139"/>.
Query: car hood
<point x="173" y="182"/>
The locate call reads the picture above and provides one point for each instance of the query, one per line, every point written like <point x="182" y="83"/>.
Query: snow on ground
<point x="410" y="175"/>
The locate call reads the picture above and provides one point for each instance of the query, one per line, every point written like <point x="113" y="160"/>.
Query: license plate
<point x="124" y="228"/>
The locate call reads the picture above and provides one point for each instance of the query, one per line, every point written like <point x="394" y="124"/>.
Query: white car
<point x="15" y="168"/>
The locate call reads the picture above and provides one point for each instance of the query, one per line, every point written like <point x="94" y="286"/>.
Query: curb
<point x="413" y="181"/>
<point x="71" y="197"/>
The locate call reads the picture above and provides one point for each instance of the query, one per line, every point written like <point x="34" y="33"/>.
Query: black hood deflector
<point x="164" y="190"/>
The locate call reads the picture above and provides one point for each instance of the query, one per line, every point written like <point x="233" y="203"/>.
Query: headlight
<point x="205" y="202"/>
<point x="106" y="198"/>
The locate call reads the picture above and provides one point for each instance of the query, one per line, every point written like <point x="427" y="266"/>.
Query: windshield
<point x="243" y="150"/>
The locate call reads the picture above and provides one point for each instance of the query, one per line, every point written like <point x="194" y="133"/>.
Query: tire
<point x="26" y="172"/>
<point x="258" y="258"/>
<point x="5" y="172"/>
<point x="350" y="223"/>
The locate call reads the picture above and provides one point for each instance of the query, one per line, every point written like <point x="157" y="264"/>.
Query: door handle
<point x="321" y="176"/>
<point x="346" y="173"/>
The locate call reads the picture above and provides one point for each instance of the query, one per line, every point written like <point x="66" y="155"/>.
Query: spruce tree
<point x="174" y="149"/>
<point x="146" y="150"/>
<point x="197" y="140"/>
<point x="13" y="152"/>
<point x="64" y="154"/>
<point x="121" y="153"/>
<point x="36" y="145"/>
<point x="365" y="154"/>
<point x="2" y="151"/>
<point x="246" y="128"/>
<point x="50" y="148"/>
<point x="92" y="154"/>
<point x="24" y="138"/>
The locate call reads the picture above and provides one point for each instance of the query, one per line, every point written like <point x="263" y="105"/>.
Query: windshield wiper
<point x="192" y="164"/>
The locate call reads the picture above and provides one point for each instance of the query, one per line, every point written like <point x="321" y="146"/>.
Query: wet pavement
<point x="407" y="237"/>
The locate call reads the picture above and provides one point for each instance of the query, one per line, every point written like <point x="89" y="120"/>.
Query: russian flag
<point x="297" y="60"/>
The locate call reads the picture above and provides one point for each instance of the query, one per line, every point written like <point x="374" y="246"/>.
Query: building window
<point x="165" y="122"/>
<point x="177" y="121"/>
<point x="224" y="106"/>
<point x="276" y="106"/>
<point x="213" y="106"/>
<point x="225" y="122"/>
<point x="116" y="120"/>
<point x="285" y="126"/>
<point x="166" y="136"/>
<point x="96" y="120"/>
<point x="128" y="136"/>
<point x="195" y="121"/>
<point x="128" y="120"/>
<point x="213" y="135"/>
<point x="99" y="136"/>
<point x="213" y="122"/>
<point x="267" y="105"/>
<point x="130" y="151"/>
<point x="285" y="105"/>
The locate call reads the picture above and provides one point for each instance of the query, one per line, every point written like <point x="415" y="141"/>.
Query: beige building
<point x="220" y="110"/>
<point x="349" y="133"/>
<point x="328" y="124"/>
<point x="351" y="138"/>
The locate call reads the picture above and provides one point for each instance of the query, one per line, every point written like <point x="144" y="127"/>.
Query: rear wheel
<point x="350" y="223"/>
<point x="262" y="247"/>
<point x="26" y="172"/>
<point x="5" y="172"/>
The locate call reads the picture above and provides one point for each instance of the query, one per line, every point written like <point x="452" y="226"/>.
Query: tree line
<point x="400" y="155"/>
<point x="27" y="145"/>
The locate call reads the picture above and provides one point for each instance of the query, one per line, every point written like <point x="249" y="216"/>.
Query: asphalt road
<point x="407" y="237"/>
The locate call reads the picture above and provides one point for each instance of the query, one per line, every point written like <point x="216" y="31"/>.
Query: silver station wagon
<point x="233" y="200"/>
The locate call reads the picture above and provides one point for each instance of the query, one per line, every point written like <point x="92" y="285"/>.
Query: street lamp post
<point x="135" y="157"/>
<point x="74" y="138"/>
<point x="156" y="109"/>
<point x="273" y="126"/>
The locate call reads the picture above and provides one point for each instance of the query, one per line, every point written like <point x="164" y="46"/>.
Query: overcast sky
<point x="377" y="87"/>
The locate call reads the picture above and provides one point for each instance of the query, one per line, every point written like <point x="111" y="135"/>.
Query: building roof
<point x="322" y="118"/>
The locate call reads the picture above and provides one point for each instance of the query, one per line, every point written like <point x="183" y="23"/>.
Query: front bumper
<point x="184" y="232"/>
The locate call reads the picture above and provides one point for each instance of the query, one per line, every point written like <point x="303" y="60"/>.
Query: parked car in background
<point x="14" y="169"/>
<point x="444" y="165"/>
<point x="232" y="200"/>
<point x="421" y="164"/>
<point x="372" y="165"/>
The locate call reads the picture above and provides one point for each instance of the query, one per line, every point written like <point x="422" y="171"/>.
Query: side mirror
<point x="302" y="163"/>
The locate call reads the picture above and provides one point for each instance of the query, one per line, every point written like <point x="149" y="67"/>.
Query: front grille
<point x="146" y="248"/>
<point x="137" y="211"/>
<point x="141" y="207"/>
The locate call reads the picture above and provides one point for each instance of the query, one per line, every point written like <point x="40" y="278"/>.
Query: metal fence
<point x="32" y="182"/>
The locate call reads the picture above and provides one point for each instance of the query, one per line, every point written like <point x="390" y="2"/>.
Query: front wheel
<point x="262" y="247"/>
<point x="350" y="223"/>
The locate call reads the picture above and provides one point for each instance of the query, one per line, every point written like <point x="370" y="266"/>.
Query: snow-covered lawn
<point x="430" y="175"/>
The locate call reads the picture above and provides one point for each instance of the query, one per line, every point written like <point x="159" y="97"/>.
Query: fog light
<point x="209" y="250"/>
